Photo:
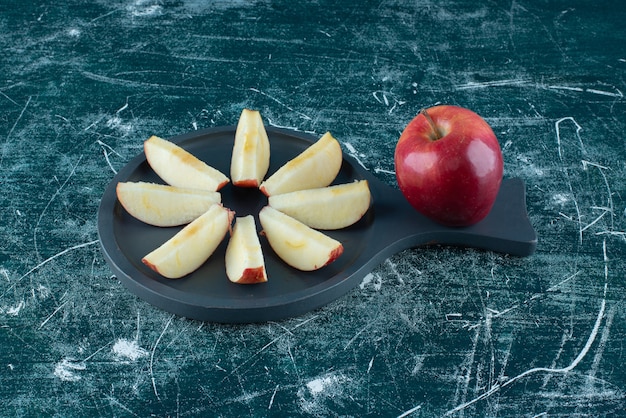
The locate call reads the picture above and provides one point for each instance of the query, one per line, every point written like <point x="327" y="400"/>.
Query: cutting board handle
<point x="506" y="229"/>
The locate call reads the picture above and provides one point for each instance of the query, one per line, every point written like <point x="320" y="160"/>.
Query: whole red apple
<point x="449" y="165"/>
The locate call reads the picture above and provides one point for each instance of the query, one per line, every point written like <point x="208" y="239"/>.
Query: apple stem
<point x="437" y="132"/>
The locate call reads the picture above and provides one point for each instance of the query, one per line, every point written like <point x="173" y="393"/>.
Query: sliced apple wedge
<point x="332" y="207"/>
<point x="192" y="245"/>
<point x="251" y="152"/>
<point x="164" y="205"/>
<point x="180" y="168"/>
<point x="316" y="166"/>
<point x="244" y="257"/>
<point x="295" y="243"/>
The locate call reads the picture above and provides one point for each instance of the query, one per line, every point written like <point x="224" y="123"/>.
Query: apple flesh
<point x="449" y="165"/>
<point x="191" y="246"/>
<point x="316" y="166"/>
<point x="178" y="167"/>
<point x="244" y="256"/>
<point x="295" y="243"/>
<point x="164" y="205"/>
<point x="300" y="187"/>
<point x="332" y="207"/>
<point x="251" y="152"/>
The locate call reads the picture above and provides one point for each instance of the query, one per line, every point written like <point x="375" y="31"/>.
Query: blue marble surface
<point x="435" y="331"/>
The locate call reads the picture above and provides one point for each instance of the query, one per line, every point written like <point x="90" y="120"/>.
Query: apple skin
<point x="452" y="176"/>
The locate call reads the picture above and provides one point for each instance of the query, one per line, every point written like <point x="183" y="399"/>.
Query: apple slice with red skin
<point x="192" y="245"/>
<point x="316" y="166"/>
<point x="180" y="168"/>
<point x="296" y="244"/>
<point x="164" y="205"/>
<point x="244" y="256"/>
<point x="251" y="152"/>
<point x="449" y="165"/>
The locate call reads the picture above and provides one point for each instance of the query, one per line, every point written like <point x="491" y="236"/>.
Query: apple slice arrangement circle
<point x="192" y="197"/>
<point x="325" y="222"/>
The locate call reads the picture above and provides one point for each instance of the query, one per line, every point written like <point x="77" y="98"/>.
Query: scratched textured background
<point x="431" y="331"/>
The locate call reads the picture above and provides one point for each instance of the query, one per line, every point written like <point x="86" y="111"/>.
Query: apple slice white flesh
<point x="332" y="207"/>
<point x="244" y="257"/>
<point x="178" y="167"/>
<point x="296" y="244"/>
<point x="192" y="245"/>
<point x="164" y="205"/>
<point x="316" y="166"/>
<point x="251" y="152"/>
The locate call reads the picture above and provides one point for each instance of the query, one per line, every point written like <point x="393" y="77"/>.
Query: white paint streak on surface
<point x="494" y="83"/>
<point x="73" y="32"/>
<point x="302" y="115"/>
<point x="66" y="370"/>
<point x="557" y="127"/>
<point x="47" y="261"/>
<point x="563" y="370"/>
<point x="128" y="349"/>
<point x="329" y="384"/>
<point x="410" y="411"/>
<point x="15" y="310"/>
<point x="382" y="170"/>
<point x="143" y="8"/>
<point x="154" y="385"/>
<point x="521" y="82"/>
<point x="107" y="150"/>
<point x="373" y="279"/>
<point x="354" y="154"/>
<point x="52" y="314"/>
